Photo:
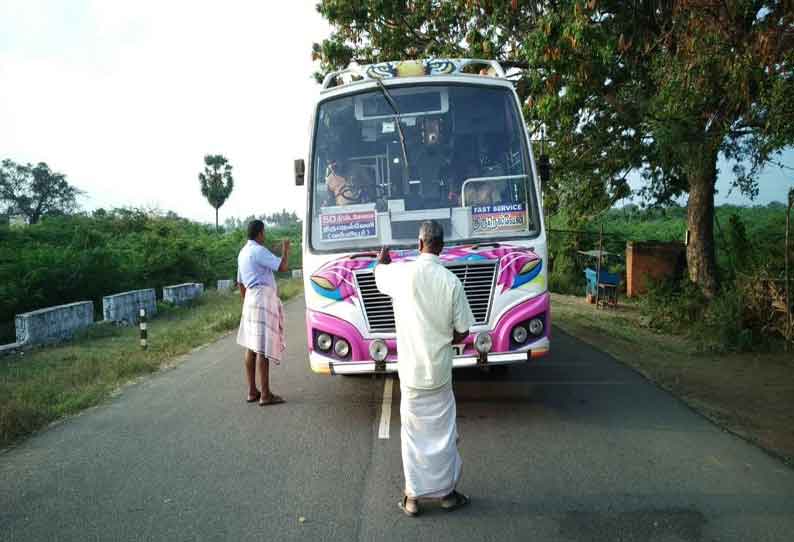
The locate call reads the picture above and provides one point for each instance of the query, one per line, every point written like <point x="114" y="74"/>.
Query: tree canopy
<point x="35" y="191"/>
<point x="656" y="87"/>
<point x="216" y="181"/>
<point x="282" y="218"/>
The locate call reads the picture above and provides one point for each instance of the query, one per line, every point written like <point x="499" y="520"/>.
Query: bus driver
<point x="355" y="187"/>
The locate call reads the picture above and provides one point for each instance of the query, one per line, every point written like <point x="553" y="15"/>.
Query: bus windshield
<point x="454" y="153"/>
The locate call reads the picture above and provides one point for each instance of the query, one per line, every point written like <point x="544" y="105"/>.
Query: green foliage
<point x="67" y="259"/>
<point x="283" y="218"/>
<point x="745" y="236"/>
<point x="615" y="86"/>
<point x="659" y="88"/>
<point x="566" y="277"/>
<point x="35" y="191"/>
<point x="216" y="181"/>
<point x="719" y="326"/>
<point x="672" y="307"/>
<point x="750" y="250"/>
<point x="289" y="288"/>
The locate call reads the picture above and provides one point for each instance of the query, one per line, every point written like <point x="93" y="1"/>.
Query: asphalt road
<point x="574" y="447"/>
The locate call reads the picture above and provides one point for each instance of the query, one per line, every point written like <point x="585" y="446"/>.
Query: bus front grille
<point x="478" y="283"/>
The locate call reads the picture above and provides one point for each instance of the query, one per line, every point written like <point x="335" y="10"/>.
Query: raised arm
<point x="383" y="271"/>
<point x="284" y="266"/>
<point x="267" y="259"/>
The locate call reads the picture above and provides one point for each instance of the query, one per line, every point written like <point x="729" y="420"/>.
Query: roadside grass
<point x="289" y="288"/>
<point x="42" y="385"/>
<point x="749" y="394"/>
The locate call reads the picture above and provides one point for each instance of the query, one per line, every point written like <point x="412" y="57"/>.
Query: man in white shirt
<point x="431" y="313"/>
<point x="261" y="330"/>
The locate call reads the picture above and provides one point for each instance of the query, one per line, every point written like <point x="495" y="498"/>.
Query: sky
<point x="126" y="98"/>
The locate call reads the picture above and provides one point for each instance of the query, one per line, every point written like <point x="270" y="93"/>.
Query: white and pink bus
<point x="397" y="143"/>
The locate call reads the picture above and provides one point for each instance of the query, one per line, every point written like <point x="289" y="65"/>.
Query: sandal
<point x="453" y="501"/>
<point x="273" y="399"/>
<point x="255" y="398"/>
<point x="409" y="505"/>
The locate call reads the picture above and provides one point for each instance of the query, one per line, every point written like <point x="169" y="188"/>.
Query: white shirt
<point x="429" y="301"/>
<point x="255" y="266"/>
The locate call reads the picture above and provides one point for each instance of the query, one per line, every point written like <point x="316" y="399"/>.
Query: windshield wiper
<point x="393" y="106"/>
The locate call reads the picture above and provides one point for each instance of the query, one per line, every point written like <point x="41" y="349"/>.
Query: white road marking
<point x="385" y="411"/>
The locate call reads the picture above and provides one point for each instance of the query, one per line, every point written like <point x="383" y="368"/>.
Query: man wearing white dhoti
<point x="431" y="313"/>
<point x="262" y="322"/>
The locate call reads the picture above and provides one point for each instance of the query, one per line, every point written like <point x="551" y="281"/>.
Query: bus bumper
<point x="325" y="365"/>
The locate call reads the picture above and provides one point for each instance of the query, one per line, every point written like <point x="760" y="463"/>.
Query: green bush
<point x="749" y="246"/>
<point x="724" y="327"/>
<point x="721" y="325"/>
<point x="566" y="277"/>
<point x="671" y="306"/>
<point x="76" y="258"/>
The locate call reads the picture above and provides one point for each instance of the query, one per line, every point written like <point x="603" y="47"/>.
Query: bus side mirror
<point x="300" y="170"/>
<point x="544" y="169"/>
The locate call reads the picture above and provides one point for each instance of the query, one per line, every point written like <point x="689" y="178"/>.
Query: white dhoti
<point x="431" y="462"/>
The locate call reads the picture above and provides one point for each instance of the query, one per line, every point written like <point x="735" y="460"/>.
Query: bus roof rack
<point x="413" y="68"/>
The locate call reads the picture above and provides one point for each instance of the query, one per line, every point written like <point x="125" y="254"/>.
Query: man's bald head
<point x="431" y="237"/>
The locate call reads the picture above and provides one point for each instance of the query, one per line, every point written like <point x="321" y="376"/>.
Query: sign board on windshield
<point x="352" y="225"/>
<point x="490" y="219"/>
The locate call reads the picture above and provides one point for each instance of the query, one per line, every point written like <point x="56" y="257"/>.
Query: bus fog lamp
<point x="536" y="326"/>
<point x="520" y="334"/>
<point x="341" y="348"/>
<point x="483" y="343"/>
<point x="378" y="350"/>
<point x="324" y="342"/>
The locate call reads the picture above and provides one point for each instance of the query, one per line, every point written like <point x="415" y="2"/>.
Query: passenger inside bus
<point x="348" y="184"/>
<point x="483" y="193"/>
<point x="489" y="164"/>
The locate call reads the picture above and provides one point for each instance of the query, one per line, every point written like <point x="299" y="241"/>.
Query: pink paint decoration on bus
<point x="517" y="266"/>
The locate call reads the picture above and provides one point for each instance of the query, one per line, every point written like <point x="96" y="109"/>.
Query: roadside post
<point x="142" y="324"/>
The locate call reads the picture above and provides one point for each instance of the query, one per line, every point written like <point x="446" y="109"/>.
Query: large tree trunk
<point x="216" y="220"/>
<point x="700" y="254"/>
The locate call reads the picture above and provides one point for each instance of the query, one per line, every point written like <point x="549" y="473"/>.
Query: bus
<point x="397" y="143"/>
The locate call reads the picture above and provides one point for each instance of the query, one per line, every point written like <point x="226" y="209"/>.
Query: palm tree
<point x="216" y="181"/>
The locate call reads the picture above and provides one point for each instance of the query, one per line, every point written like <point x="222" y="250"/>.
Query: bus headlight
<point x="536" y="326"/>
<point x="378" y="350"/>
<point x="520" y="334"/>
<point x="341" y="348"/>
<point x="324" y="342"/>
<point x="483" y="342"/>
